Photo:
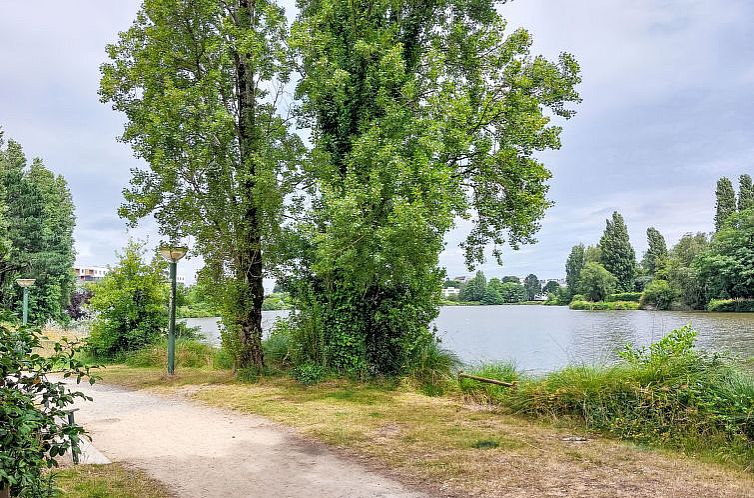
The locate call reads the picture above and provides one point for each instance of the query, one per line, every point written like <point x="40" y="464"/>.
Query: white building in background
<point x="97" y="273"/>
<point x="90" y="273"/>
<point x="450" y="291"/>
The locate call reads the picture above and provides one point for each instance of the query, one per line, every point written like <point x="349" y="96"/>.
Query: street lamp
<point x="172" y="254"/>
<point x="25" y="283"/>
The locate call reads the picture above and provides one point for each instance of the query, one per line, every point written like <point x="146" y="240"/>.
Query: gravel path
<point x="204" y="452"/>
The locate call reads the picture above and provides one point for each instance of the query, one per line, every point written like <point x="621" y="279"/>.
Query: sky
<point x="668" y="108"/>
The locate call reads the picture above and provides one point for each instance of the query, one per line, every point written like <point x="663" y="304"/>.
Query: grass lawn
<point x="452" y="447"/>
<point x="107" y="481"/>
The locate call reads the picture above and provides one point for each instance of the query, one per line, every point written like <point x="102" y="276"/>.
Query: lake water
<point x="541" y="338"/>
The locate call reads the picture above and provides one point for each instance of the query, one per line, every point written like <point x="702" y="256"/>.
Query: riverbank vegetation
<point x="668" y="395"/>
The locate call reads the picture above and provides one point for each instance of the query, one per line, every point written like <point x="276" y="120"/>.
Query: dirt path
<point x="199" y="451"/>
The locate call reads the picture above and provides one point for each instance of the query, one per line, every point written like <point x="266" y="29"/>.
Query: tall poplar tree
<point x="745" y="193"/>
<point x="617" y="255"/>
<point x="725" y="202"/>
<point x="656" y="254"/>
<point x="574" y="264"/>
<point x="421" y="112"/>
<point x="200" y="83"/>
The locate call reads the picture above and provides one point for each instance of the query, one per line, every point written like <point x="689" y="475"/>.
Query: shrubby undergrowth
<point x="669" y="394"/>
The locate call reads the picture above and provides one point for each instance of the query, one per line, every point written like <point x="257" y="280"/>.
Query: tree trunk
<point x="250" y="271"/>
<point x="249" y="307"/>
<point x="4" y="492"/>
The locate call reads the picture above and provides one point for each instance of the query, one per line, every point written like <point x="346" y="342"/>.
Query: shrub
<point x="732" y="305"/>
<point x="658" y="294"/>
<point x="624" y="296"/>
<point x="309" y="374"/>
<point x="34" y="430"/>
<point x="604" y="306"/>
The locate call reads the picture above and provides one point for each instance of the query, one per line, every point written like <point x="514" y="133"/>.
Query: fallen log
<point x="484" y="379"/>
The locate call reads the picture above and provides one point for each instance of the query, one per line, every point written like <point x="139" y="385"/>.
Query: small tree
<point x="130" y="304"/>
<point x="511" y="292"/>
<point x="596" y="283"/>
<point x="532" y="286"/>
<point x="33" y="428"/>
<point x="551" y="287"/>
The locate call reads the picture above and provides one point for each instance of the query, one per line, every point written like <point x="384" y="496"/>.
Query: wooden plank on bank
<point x="484" y="379"/>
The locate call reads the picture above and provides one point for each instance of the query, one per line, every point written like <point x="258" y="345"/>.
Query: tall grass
<point x="669" y="395"/>
<point x="189" y="353"/>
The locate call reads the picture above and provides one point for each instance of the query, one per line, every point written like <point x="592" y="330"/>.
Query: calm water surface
<point x="541" y="338"/>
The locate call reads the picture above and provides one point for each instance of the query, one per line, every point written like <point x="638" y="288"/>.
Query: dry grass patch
<point x="457" y="449"/>
<point x="108" y="481"/>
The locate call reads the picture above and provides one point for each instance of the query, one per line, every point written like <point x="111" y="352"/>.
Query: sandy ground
<point x="204" y="452"/>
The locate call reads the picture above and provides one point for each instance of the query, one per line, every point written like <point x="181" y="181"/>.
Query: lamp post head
<point x="25" y="282"/>
<point x="173" y="253"/>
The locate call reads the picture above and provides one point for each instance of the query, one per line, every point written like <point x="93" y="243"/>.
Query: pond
<point x="542" y="338"/>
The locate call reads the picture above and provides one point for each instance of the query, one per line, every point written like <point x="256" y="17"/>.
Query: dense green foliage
<point x="34" y="429"/>
<point x="596" y="283"/>
<point x="658" y="294"/>
<point x="726" y="268"/>
<point x="129" y="304"/>
<point x="421" y="112"/>
<point x="669" y="395"/>
<point x="199" y="83"/>
<point x="36" y="221"/>
<point x="681" y="273"/>
<point x="577" y="304"/>
<point x="624" y="296"/>
<point x="657" y="253"/>
<point x="474" y="289"/>
<point x="725" y="202"/>
<point x="734" y="305"/>
<point x="617" y="255"/>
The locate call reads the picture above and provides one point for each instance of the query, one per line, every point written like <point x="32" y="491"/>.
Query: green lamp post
<point x="172" y="254"/>
<point x="25" y="283"/>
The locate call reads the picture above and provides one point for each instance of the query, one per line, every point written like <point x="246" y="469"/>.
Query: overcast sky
<point x="668" y="108"/>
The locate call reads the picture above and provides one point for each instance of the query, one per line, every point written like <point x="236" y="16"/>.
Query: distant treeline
<point x="507" y="290"/>
<point x="702" y="271"/>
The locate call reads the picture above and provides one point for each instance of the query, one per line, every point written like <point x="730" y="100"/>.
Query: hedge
<point x="604" y="305"/>
<point x="725" y="305"/>
<point x="624" y="296"/>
